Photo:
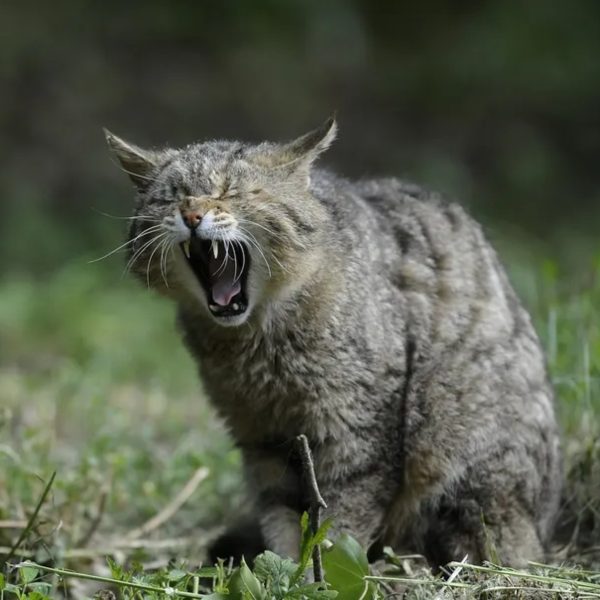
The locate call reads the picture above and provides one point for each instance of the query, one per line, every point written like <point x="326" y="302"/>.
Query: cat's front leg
<point x="275" y="485"/>
<point x="356" y="506"/>
<point x="280" y="527"/>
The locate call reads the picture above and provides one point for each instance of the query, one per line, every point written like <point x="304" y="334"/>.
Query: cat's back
<point x="415" y="240"/>
<point x="411" y="214"/>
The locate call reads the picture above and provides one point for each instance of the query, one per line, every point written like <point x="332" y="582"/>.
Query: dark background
<point x="496" y="103"/>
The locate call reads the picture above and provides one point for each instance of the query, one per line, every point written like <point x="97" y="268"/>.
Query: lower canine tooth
<point x="235" y="306"/>
<point x="186" y="248"/>
<point x="215" y="248"/>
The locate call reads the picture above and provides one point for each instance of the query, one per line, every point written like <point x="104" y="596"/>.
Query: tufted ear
<point x="296" y="156"/>
<point x="137" y="163"/>
<point x="307" y="147"/>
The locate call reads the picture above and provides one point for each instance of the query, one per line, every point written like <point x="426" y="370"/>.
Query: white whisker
<point x="243" y="259"/>
<point x="245" y="238"/>
<point x="223" y="265"/>
<point x="133" y="218"/>
<point x="141" y="250"/>
<point x="234" y="261"/>
<point x="150" y="261"/>
<point x="279" y="263"/>
<point x="137" y="237"/>
<point x="267" y="229"/>
<point x="167" y="246"/>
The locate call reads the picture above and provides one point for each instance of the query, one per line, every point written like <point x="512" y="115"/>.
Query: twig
<point x="170" y="509"/>
<point x="31" y="520"/>
<point x="316" y="502"/>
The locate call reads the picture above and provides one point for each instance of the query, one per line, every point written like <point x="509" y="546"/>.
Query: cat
<point x="372" y="316"/>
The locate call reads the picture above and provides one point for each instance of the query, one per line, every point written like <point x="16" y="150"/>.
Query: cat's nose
<point x="191" y="218"/>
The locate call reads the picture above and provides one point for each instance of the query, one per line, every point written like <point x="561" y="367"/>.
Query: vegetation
<point x="96" y="386"/>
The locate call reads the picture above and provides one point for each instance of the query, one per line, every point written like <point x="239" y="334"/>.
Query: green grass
<point x="95" y="385"/>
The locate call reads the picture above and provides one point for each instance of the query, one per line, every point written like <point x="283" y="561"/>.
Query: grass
<point x="95" y="385"/>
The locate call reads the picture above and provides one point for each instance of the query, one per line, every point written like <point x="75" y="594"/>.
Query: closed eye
<point x="179" y="191"/>
<point x="161" y="200"/>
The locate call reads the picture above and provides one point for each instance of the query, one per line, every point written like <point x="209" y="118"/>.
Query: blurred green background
<point x="495" y="103"/>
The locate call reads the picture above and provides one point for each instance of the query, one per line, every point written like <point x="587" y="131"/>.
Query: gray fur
<point x="387" y="332"/>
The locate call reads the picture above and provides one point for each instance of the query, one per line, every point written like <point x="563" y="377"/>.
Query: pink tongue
<point x="222" y="278"/>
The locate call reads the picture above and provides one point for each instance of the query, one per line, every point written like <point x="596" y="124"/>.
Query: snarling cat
<point x="372" y="316"/>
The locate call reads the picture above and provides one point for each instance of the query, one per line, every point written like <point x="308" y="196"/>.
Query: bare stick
<point x="170" y="509"/>
<point x="315" y="500"/>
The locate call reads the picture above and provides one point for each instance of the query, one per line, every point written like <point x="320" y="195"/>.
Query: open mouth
<point x="222" y="270"/>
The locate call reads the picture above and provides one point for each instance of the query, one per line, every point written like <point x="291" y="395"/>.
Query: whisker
<point x="130" y="218"/>
<point x="141" y="250"/>
<point x="167" y="246"/>
<point x="143" y="233"/>
<point x="272" y="254"/>
<point x="225" y="258"/>
<point x="163" y="244"/>
<point x="243" y="259"/>
<point x="234" y="262"/>
<point x="246" y="239"/>
<point x="267" y="229"/>
<point x="150" y="261"/>
<point x="253" y="237"/>
<point x="279" y="263"/>
<point x="248" y="233"/>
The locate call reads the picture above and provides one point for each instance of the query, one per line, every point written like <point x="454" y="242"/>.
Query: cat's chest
<point x="280" y="390"/>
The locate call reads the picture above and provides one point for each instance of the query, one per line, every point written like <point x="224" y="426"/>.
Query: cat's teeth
<point x="186" y="248"/>
<point x="215" y="248"/>
<point x="235" y="306"/>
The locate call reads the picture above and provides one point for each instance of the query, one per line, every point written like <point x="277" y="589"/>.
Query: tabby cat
<point x="372" y="316"/>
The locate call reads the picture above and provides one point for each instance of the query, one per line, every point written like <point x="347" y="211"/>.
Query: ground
<point x="95" y="385"/>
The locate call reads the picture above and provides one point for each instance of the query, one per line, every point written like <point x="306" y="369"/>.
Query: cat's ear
<point x="306" y="148"/>
<point x="296" y="157"/>
<point x="135" y="161"/>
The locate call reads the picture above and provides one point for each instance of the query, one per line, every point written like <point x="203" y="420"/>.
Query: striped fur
<point x="383" y="327"/>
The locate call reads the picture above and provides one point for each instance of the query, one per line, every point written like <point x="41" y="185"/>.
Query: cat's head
<point x="227" y="226"/>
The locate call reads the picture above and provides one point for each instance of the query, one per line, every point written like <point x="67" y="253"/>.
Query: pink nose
<point x="191" y="218"/>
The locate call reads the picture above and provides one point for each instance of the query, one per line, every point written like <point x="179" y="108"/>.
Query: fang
<point x="186" y="248"/>
<point x="215" y="248"/>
